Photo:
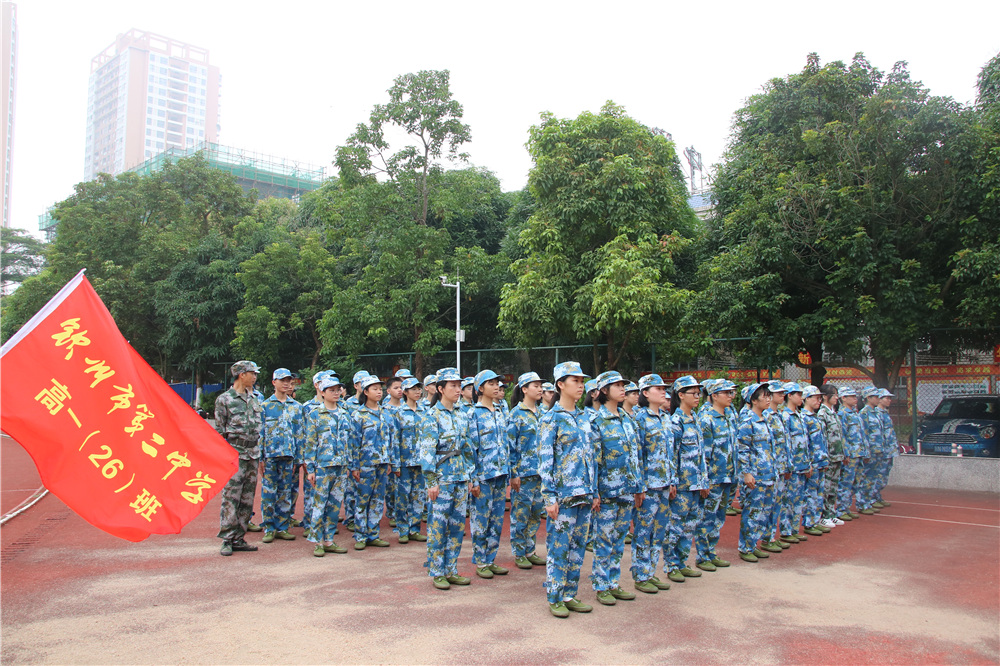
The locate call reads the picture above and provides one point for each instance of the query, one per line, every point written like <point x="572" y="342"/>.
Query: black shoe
<point x="243" y="546"/>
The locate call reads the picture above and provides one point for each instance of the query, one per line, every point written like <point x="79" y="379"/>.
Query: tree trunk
<point x="418" y="356"/>
<point x="198" y="383"/>
<point x="817" y="373"/>
<point x="317" y="346"/>
<point x="886" y="372"/>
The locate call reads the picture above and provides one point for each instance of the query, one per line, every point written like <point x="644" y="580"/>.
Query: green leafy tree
<point x="610" y="215"/>
<point x="835" y="220"/>
<point x="21" y="256"/>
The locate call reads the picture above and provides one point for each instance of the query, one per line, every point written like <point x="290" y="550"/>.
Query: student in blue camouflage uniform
<point x="855" y="451"/>
<point x="890" y="447"/>
<point x="447" y="463"/>
<point x="548" y="397"/>
<point x="467" y="402"/>
<point x="373" y="456"/>
<point x="590" y="406"/>
<point x="526" y="507"/>
<point x="812" y="510"/>
<point x="430" y="388"/>
<point x="758" y="472"/>
<point x="281" y="443"/>
<point x="567" y="467"/>
<point x="631" y="399"/>
<point x="352" y="404"/>
<point x="238" y="419"/>
<point x="501" y="400"/>
<point x="718" y="429"/>
<point x="413" y="432"/>
<point x="782" y="463"/>
<point x="325" y="457"/>
<point x="692" y="479"/>
<point x="620" y="486"/>
<point x="307" y="407"/>
<point x="655" y="432"/>
<point x="802" y="470"/>
<point x="871" y="421"/>
<point x="392" y="402"/>
<point x="491" y="471"/>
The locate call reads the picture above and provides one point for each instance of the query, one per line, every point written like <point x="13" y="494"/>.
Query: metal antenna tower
<point x="694" y="161"/>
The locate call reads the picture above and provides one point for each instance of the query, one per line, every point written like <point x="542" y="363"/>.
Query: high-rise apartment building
<point x="8" y="60"/>
<point x="148" y="93"/>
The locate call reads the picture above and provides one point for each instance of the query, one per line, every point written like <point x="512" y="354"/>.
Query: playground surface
<point x="917" y="584"/>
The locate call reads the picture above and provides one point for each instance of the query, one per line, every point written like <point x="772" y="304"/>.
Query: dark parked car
<point x="968" y="424"/>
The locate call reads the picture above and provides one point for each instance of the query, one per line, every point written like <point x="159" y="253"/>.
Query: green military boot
<point x="846" y="517"/>
<point x="499" y="570"/>
<point x="284" y="535"/>
<point x="705" y="566"/>
<point x="719" y="562"/>
<point x="296" y="522"/>
<point x="455" y="579"/>
<point x="227" y="549"/>
<point x="404" y="538"/>
<point x="789" y="538"/>
<point x="676" y="576"/>
<point x="730" y="511"/>
<point x="559" y="609"/>
<point x="254" y="527"/>
<point x="868" y="512"/>
<point x="748" y="557"/>
<point x="760" y="554"/>
<point x="334" y="548"/>
<point x="378" y="543"/>
<point x="268" y="537"/>
<point x="522" y="562"/>
<point x="577" y="606"/>
<point x="622" y="595"/>
<point x="418" y="537"/>
<point x="441" y="583"/>
<point x="646" y="586"/>
<point x="813" y="531"/>
<point x="688" y="572"/>
<point x="484" y="572"/>
<point x="853" y="514"/>
<point x="319" y="551"/>
<point x="360" y="545"/>
<point x="660" y="585"/>
<point x="604" y="598"/>
<point x="536" y="560"/>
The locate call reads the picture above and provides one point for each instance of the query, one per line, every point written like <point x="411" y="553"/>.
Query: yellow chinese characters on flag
<point x="110" y="438"/>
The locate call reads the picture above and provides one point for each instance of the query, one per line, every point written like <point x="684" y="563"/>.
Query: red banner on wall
<point x="110" y="438"/>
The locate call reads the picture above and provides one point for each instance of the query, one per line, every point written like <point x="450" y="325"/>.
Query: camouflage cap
<point x="410" y="382"/>
<point x="240" y="367"/>
<point x="281" y="373"/>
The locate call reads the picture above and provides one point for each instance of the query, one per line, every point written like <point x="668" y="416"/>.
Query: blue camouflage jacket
<point x="782" y="447"/>
<point x="721" y="451"/>
<point x="689" y="453"/>
<point x="351" y="404"/>
<point x="756" y="448"/>
<point x="488" y="436"/>
<point x="413" y="430"/>
<point x="371" y="439"/>
<point x="617" y="451"/>
<point x="327" y="438"/>
<point x="312" y="403"/>
<point x="817" y="440"/>
<point x="871" y="420"/>
<point x="567" y="461"/>
<point x="522" y="432"/>
<point x="447" y="455"/>
<point x="656" y="434"/>
<point x="798" y="440"/>
<point x="889" y="441"/>
<point x="284" y="428"/>
<point x="855" y="442"/>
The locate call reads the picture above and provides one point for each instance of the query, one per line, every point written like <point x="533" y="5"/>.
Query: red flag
<point x="110" y="438"/>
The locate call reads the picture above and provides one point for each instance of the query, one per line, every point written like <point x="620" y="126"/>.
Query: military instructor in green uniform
<point x="238" y="419"/>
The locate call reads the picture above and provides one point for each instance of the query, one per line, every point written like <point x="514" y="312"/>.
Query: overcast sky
<point x="298" y="76"/>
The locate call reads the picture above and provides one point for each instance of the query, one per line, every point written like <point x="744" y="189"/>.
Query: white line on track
<point x="946" y="506"/>
<point x="935" y="520"/>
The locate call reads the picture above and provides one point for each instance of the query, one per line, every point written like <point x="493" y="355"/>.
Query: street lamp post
<point x="458" y="318"/>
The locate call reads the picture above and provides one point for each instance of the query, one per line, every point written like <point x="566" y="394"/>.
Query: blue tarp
<point x="186" y="391"/>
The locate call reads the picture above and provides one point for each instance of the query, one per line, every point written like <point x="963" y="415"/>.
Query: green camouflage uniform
<point x="238" y="419"/>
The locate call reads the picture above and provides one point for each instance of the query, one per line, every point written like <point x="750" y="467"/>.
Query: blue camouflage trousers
<point x="868" y="474"/>
<point x="812" y="512"/>
<point x="409" y="500"/>
<point x="791" y="506"/>
<point x="845" y="489"/>
<point x="777" y="502"/>
<point x="756" y="516"/>
<point x="883" y="479"/>
<point x="685" y="512"/>
<point x="276" y="493"/>
<point x="350" y="499"/>
<point x="610" y="526"/>
<point x="370" y="502"/>
<point x="831" y="486"/>
<point x="712" y="518"/>
<point x="446" y="528"/>
<point x="486" y="520"/>
<point x="652" y="521"/>
<point x="307" y="496"/>
<point x="327" y="496"/>
<point x="390" y="495"/>
<point x="526" y="513"/>
<point x="565" y="544"/>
